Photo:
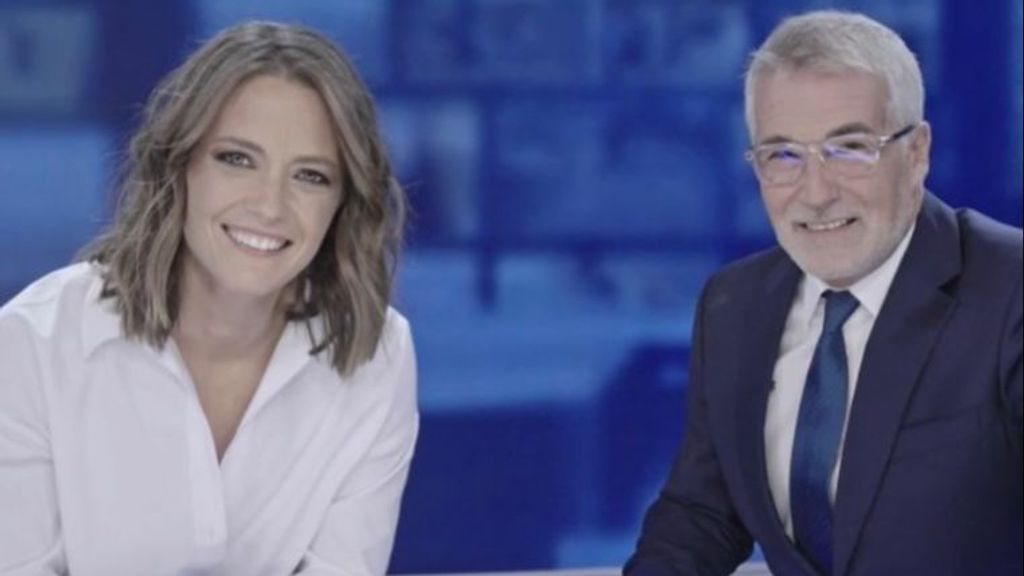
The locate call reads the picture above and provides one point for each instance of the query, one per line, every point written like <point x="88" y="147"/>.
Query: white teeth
<point x="255" y="241"/>
<point x="826" y="226"/>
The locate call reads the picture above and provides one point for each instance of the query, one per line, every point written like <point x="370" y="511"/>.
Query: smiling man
<point x="856" y="393"/>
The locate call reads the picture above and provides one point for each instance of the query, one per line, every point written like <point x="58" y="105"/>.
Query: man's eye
<point x="850" y="150"/>
<point x="313" y="177"/>
<point x="851" y="145"/>
<point x="234" y="158"/>
<point x="783" y="156"/>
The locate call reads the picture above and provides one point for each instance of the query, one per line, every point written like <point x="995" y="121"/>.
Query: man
<point x="856" y="394"/>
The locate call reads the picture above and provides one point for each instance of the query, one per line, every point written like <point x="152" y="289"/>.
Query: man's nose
<point x="818" y="188"/>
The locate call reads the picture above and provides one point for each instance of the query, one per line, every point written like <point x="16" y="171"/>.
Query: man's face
<point x="836" y="228"/>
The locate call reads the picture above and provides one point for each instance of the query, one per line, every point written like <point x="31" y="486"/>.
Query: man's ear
<point x="920" y="152"/>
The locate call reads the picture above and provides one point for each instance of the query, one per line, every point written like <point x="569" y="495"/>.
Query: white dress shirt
<point x="803" y="327"/>
<point x="108" y="466"/>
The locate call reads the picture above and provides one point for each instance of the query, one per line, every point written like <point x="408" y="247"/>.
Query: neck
<point x="223" y="327"/>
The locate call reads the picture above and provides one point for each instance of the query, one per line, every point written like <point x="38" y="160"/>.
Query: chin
<point x="253" y="286"/>
<point x="827" y="270"/>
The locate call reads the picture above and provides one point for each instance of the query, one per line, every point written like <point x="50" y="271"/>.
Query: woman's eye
<point x="234" y="158"/>
<point x="313" y="177"/>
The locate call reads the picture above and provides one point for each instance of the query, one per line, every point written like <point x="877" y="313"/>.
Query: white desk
<point x="747" y="569"/>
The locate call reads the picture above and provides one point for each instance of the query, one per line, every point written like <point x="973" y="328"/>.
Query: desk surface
<point x="747" y="569"/>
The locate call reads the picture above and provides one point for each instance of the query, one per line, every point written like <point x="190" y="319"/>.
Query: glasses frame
<point x="816" y="149"/>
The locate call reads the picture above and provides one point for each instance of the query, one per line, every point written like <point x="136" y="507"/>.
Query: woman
<point x="220" y="387"/>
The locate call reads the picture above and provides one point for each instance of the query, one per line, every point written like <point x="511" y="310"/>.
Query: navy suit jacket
<point x="931" y="477"/>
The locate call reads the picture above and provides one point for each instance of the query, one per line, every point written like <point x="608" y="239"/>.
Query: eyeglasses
<point x="847" y="156"/>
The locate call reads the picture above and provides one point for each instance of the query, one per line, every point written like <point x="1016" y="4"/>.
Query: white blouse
<point x="108" y="466"/>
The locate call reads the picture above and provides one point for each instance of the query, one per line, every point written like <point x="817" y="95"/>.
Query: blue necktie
<point x="818" y="428"/>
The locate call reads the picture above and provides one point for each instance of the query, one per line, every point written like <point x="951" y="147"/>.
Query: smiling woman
<point x="258" y="204"/>
<point x="220" y="386"/>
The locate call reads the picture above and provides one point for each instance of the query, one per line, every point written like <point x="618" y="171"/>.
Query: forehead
<point x="277" y="106"/>
<point x="806" y="105"/>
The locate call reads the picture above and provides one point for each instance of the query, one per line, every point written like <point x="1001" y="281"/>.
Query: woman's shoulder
<point x="55" y="300"/>
<point x="395" y="338"/>
<point x="394" y="354"/>
<point x="395" y="325"/>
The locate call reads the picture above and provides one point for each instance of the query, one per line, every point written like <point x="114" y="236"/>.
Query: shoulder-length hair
<point x="348" y="284"/>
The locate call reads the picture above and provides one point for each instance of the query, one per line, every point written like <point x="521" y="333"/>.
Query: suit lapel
<point x="761" y="327"/>
<point x="913" y="315"/>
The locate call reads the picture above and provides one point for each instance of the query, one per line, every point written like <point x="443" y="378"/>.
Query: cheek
<point x="318" y="216"/>
<point x="897" y="201"/>
<point x="209" y="196"/>
<point x="192" y="208"/>
<point x="195" y="198"/>
<point x="775" y="204"/>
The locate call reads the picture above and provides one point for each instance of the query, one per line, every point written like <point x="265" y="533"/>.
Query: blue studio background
<point x="576" y="169"/>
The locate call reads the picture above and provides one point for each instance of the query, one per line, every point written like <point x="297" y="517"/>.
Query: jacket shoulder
<point x="745" y="277"/>
<point x="992" y="252"/>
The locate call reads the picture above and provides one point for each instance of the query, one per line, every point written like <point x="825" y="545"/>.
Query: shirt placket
<point x="205" y="486"/>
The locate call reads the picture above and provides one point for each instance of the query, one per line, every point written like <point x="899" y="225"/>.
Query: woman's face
<point x="263" y="186"/>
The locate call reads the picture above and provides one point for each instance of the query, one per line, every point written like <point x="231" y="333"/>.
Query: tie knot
<point x="838" y="307"/>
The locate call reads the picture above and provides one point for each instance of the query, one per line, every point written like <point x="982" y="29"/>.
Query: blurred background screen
<point x="576" y="171"/>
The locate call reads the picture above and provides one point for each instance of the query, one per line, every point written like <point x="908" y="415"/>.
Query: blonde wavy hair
<point x="348" y="284"/>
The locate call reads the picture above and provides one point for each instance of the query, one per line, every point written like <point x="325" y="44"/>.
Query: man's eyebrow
<point x="776" y="139"/>
<point x="843" y="130"/>
<point x="850" y="128"/>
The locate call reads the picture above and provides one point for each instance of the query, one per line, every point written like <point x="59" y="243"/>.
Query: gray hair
<point x="833" y="41"/>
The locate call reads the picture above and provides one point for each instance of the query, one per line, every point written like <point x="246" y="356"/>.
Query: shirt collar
<point x="870" y="290"/>
<point x="291" y="355"/>
<point x="101" y="321"/>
